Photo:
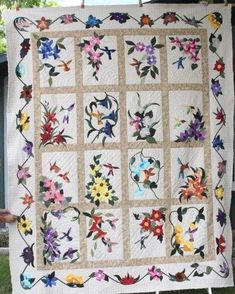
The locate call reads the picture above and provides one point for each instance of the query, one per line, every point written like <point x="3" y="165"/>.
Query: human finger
<point x="10" y="218"/>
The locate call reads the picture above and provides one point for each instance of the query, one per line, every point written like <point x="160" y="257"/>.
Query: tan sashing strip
<point x="125" y="204"/>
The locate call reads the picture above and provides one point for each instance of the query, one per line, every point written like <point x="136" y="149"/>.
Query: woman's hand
<point x="6" y="216"/>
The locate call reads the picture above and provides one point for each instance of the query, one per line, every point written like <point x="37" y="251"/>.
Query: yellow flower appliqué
<point x="24" y="121"/>
<point x="188" y="246"/>
<point x="100" y="190"/>
<point x="24" y="225"/>
<point x="178" y="229"/>
<point x="74" y="279"/>
<point x="214" y="22"/>
<point x="219" y="192"/>
<point x="179" y="239"/>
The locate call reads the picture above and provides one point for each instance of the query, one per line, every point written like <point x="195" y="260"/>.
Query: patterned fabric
<point x="120" y="148"/>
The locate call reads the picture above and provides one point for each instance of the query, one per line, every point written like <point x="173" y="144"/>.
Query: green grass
<point x="5" y="282"/>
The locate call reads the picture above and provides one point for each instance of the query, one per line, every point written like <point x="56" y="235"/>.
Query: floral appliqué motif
<point x="99" y="189"/>
<point x="51" y="131"/>
<point x="102" y="117"/>
<point x="51" y="189"/>
<point x="145" y="173"/>
<point x="49" y="49"/>
<point x="194" y="127"/>
<point x="144" y="60"/>
<point x="195" y="183"/>
<point x="99" y="228"/>
<point x="143" y="122"/>
<point x="54" y="242"/>
<point x="151" y="225"/>
<point x="94" y="51"/>
<point x="189" y="47"/>
<point x="182" y="240"/>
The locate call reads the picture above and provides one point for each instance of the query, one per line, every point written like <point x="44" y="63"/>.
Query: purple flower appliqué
<point x="99" y="275"/>
<point x="120" y="17"/>
<point x="149" y="49"/>
<point x="183" y="136"/>
<point x="201" y="135"/>
<point x="28" y="255"/>
<point x="28" y="148"/>
<point x="216" y="88"/>
<point x="50" y="245"/>
<point x="151" y="60"/>
<point x="224" y="269"/>
<point x="194" y="128"/>
<point x="221" y="217"/>
<point x="57" y="213"/>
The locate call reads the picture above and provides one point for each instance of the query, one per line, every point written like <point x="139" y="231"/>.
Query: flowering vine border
<point x="22" y="123"/>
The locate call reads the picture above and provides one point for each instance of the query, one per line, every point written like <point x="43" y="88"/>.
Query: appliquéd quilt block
<point x="120" y="148"/>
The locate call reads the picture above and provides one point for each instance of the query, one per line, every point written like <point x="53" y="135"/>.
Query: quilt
<point x="120" y="143"/>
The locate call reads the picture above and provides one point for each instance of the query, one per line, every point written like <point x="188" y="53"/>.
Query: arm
<point x="6" y="216"/>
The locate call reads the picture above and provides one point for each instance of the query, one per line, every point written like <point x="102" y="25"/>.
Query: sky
<point x="96" y="2"/>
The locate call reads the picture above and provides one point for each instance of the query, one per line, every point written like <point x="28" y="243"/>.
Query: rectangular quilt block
<point x="120" y="126"/>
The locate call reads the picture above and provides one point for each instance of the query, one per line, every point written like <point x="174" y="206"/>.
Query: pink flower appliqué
<point x="139" y="47"/>
<point x="67" y="18"/>
<point x="95" y="56"/>
<point x="154" y="273"/>
<point x="189" y="49"/>
<point x="23" y="174"/>
<point x="55" y="195"/>
<point x="136" y="123"/>
<point x="99" y="275"/>
<point x="48" y="183"/>
<point x="176" y="41"/>
<point x="195" y="58"/>
<point x="94" y="40"/>
<point x="87" y="48"/>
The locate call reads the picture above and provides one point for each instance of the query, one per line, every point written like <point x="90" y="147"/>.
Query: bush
<point x="4" y="240"/>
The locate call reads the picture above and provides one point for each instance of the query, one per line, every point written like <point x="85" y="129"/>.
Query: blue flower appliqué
<point x="218" y="143"/>
<point x="93" y="22"/>
<point x="46" y="50"/>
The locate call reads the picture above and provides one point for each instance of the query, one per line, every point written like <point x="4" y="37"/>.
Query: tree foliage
<point x="11" y="4"/>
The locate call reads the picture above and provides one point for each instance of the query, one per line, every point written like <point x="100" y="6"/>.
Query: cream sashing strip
<point x="124" y="145"/>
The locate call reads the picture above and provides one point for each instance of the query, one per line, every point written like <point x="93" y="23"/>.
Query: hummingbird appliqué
<point x="111" y="168"/>
<point x="107" y="242"/>
<point x="191" y="231"/>
<point x="179" y="62"/>
<point x="54" y="167"/>
<point x="141" y="241"/>
<point x="108" y="51"/>
<point x="67" y="111"/>
<point x="67" y="235"/>
<point x="136" y="63"/>
<point x="65" y="65"/>
<point x="65" y="177"/>
<point x="183" y="167"/>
